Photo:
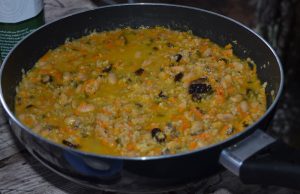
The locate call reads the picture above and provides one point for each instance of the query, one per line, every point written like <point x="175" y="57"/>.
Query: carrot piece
<point x="181" y="109"/>
<point x="241" y="112"/>
<point x="173" y="100"/>
<point x="224" y="129"/>
<point x="228" y="46"/>
<point x="192" y="145"/>
<point x="228" y="52"/>
<point x="220" y="99"/>
<point x="105" y="111"/>
<point x="28" y="121"/>
<point x="185" y="122"/>
<point x="130" y="146"/>
<point x="102" y="124"/>
<point x="196" y="113"/>
<point x="203" y="136"/>
<point x="220" y="91"/>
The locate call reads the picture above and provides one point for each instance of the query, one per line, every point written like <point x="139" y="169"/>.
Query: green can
<point x="17" y="19"/>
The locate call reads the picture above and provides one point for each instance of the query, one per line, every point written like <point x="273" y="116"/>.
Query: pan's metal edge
<point x="269" y="110"/>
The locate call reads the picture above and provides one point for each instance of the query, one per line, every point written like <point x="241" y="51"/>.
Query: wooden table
<point x="21" y="173"/>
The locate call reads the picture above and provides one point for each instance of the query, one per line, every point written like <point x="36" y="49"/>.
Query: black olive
<point x="154" y="131"/>
<point x="251" y="93"/>
<point x="162" y="95"/>
<point x="76" y="124"/>
<point x="172" y="131"/>
<point x="158" y="135"/>
<point x="166" y="151"/>
<point x="118" y="141"/>
<point x="197" y="97"/>
<point x="49" y="127"/>
<point x="139" y="105"/>
<point x="178" y="77"/>
<point x="199" y="89"/>
<point x="224" y="60"/>
<point x="101" y="75"/>
<point x="46" y="79"/>
<point x="107" y="69"/>
<point x="199" y="110"/>
<point x="230" y="131"/>
<point x="128" y="80"/>
<point x="170" y="45"/>
<point x="245" y="124"/>
<point x="69" y="144"/>
<point x="198" y="53"/>
<point x="251" y="65"/>
<point x="178" y="57"/>
<point x="74" y="84"/>
<point x="155" y="48"/>
<point x="140" y="71"/>
<point x="151" y="40"/>
<point x="29" y="106"/>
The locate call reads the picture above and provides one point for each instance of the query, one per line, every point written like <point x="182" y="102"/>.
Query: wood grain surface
<point x="21" y="173"/>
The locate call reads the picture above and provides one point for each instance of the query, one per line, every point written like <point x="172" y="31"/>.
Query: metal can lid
<point x="14" y="11"/>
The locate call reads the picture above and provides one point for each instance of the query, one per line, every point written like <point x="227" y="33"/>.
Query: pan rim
<point x="158" y="157"/>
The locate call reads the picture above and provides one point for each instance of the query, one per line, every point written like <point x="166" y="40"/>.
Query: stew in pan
<point x="140" y="92"/>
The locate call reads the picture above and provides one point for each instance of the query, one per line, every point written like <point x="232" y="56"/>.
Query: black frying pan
<point x="157" y="173"/>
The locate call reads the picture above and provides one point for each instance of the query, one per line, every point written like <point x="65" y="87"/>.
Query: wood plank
<point x="9" y="145"/>
<point x="275" y="21"/>
<point x="55" y="9"/>
<point x="21" y="173"/>
<point x="3" y="117"/>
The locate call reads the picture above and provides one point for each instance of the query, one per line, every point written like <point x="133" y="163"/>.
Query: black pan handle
<point x="262" y="159"/>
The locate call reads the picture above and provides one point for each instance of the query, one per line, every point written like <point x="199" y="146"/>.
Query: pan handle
<point x="262" y="159"/>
